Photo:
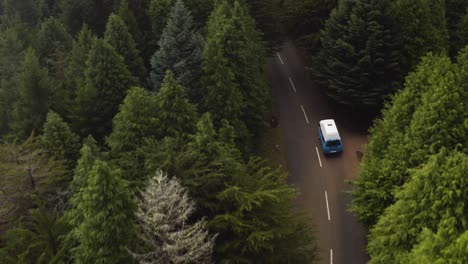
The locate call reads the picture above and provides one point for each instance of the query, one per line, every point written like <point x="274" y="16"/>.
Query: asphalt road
<point x="322" y="181"/>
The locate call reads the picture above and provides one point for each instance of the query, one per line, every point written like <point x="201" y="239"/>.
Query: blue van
<point x="329" y="137"/>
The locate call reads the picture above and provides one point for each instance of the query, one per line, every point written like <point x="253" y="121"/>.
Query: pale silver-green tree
<point x="164" y="211"/>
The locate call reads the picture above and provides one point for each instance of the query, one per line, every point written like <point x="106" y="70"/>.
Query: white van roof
<point x="329" y="130"/>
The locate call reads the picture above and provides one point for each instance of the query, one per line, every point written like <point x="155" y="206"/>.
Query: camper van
<point x="329" y="137"/>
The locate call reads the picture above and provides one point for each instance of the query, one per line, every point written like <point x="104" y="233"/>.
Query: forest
<point x="129" y="131"/>
<point x="129" y="128"/>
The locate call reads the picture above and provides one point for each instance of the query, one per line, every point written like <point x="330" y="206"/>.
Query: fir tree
<point x="222" y="95"/>
<point x="59" y="140"/>
<point x="158" y="13"/>
<point x="107" y="208"/>
<point x="422" y="26"/>
<point x="439" y="107"/>
<point x="164" y="213"/>
<point x="32" y="105"/>
<point x="128" y="16"/>
<point x="38" y="239"/>
<point x="12" y="46"/>
<point x="177" y="116"/>
<point x="256" y="216"/>
<point x="106" y="83"/>
<point x="26" y="172"/>
<point x="358" y="64"/>
<point x="118" y="36"/>
<point x="180" y="52"/>
<point x="76" y="65"/>
<point x="135" y="121"/>
<point x="427" y="203"/>
<point x="373" y="192"/>
<point x="73" y="216"/>
<point x="52" y="45"/>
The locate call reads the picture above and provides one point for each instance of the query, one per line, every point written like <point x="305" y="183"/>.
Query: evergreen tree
<point x="358" y="64"/>
<point x="428" y="203"/>
<point x="26" y="172"/>
<point x="76" y="64"/>
<point x="456" y="13"/>
<point x="52" y="45"/>
<point x="180" y="52"/>
<point x="37" y="240"/>
<point x="27" y="11"/>
<point x="423" y="28"/>
<point x="107" y="227"/>
<point x="164" y="213"/>
<point x="12" y="46"/>
<point x="222" y="94"/>
<point x="247" y="60"/>
<point x="177" y="116"/>
<point x="76" y="13"/>
<point x="128" y="16"/>
<point x="106" y="82"/>
<point x="304" y="19"/>
<point x="256" y="216"/>
<point x="73" y="216"/>
<point x="373" y="192"/>
<point x="59" y="140"/>
<point x="158" y="13"/>
<point x="32" y="105"/>
<point x="118" y="36"/>
<point x="135" y="122"/>
<point x="435" y="122"/>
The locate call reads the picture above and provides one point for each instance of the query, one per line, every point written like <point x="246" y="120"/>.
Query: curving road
<point x="299" y="105"/>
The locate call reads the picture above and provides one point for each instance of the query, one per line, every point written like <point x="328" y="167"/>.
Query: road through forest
<point x="322" y="181"/>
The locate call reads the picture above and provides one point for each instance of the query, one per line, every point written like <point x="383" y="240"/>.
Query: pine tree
<point x="76" y="13"/>
<point x="73" y="216"/>
<point x="27" y="11"/>
<point x="177" y="116"/>
<point x="12" y="46"/>
<point x="429" y="202"/>
<point x="437" y="122"/>
<point x="180" y="52"/>
<point x="422" y="26"/>
<point x="358" y="64"/>
<point x="38" y="239"/>
<point x="164" y="213"/>
<point x="456" y="12"/>
<point x="135" y="121"/>
<point x="305" y="18"/>
<point x="26" y="172"/>
<point x="134" y="124"/>
<point x="247" y="59"/>
<point x="107" y="208"/>
<point x="76" y="65"/>
<point x="222" y="95"/>
<point x="158" y="13"/>
<point x="32" y="105"/>
<point x="118" y="36"/>
<point x="256" y="216"/>
<point x="59" y="140"/>
<point x="106" y="83"/>
<point x="373" y="191"/>
<point x="52" y="45"/>
<point x="128" y="16"/>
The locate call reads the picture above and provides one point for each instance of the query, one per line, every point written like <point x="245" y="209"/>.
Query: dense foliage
<point x="100" y="100"/>
<point x="414" y="172"/>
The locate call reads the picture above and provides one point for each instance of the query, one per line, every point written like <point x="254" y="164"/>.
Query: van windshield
<point x="333" y="143"/>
